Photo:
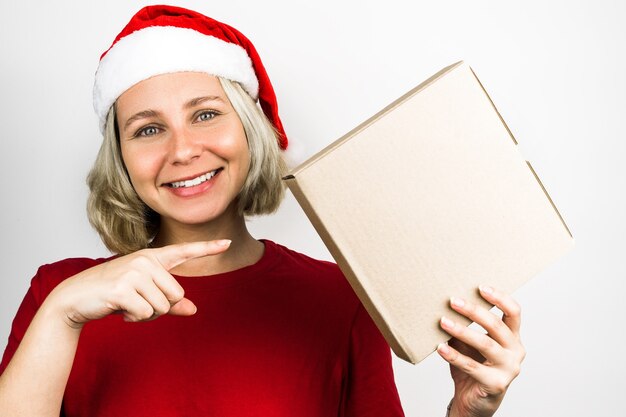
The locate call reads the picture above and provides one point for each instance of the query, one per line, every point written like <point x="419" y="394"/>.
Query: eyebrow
<point x="141" y="115"/>
<point x="153" y="113"/>
<point x="199" y="100"/>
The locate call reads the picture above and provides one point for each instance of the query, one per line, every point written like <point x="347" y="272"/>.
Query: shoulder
<point x="50" y="275"/>
<point x="318" y="275"/>
<point x="300" y="263"/>
<point x="70" y="266"/>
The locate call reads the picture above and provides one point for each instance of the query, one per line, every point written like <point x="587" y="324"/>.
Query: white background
<point x="555" y="69"/>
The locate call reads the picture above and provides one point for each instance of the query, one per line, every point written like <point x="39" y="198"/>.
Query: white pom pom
<point x="295" y="154"/>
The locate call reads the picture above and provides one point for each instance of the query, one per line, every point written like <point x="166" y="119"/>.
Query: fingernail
<point x="443" y="348"/>
<point x="485" y="289"/>
<point x="223" y="242"/>
<point x="446" y="322"/>
<point x="457" y="302"/>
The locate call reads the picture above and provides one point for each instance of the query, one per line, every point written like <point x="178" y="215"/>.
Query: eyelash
<point x="141" y="132"/>
<point x="213" y="113"/>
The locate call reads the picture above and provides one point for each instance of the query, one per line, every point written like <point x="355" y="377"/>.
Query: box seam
<point x="549" y="198"/>
<point x="494" y="107"/>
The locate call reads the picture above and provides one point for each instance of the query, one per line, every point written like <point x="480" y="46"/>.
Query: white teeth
<point x="193" y="182"/>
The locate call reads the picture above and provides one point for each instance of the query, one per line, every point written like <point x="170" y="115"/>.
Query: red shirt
<point x="283" y="337"/>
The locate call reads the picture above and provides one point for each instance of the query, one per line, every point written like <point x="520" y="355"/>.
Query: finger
<point x="184" y="307"/>
<point x="155" y="297"/>
<point x="462" y="362"/>
<point x="509" y="307"/>
<point x="172" y="290"/>
<point x="493" y="381"/>
<point x="136" y="308"/>
<point x="174" y="255"/>
<point x="466" y="350"/>
<point x="484" y="344"/>
<point x="488" y="320"/>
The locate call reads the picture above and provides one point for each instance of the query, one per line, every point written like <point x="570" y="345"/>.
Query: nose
<point x="184" y="147"/>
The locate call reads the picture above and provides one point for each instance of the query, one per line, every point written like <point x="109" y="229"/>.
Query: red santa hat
<point x="166" y="39"/>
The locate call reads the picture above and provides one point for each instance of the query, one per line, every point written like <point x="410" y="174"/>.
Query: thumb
<point x="184" y="307"/>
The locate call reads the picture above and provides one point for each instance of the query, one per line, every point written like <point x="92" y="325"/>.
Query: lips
<point x="193" y="181"/>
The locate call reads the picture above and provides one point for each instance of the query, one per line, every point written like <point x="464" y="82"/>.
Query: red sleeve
<point x="25" y="313"/>
<point x="36" y="294"/>
<point x="371" y="389"/>
<point x="47" y="277"/>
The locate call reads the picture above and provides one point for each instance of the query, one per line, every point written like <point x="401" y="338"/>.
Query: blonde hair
<point x="126" y="224"/>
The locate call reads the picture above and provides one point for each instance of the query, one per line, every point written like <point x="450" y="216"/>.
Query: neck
<point x="243" y="251"/>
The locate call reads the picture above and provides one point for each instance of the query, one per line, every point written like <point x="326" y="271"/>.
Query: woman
<point x="222" y="324"/>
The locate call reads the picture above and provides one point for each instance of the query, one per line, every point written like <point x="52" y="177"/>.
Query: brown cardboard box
<point x="428" y="199"/>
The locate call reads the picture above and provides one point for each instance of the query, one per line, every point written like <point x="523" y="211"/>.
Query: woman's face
<point x="184" y="146"/>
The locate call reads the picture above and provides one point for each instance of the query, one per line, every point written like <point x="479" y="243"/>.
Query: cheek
<point x="234" y="147"/>
<point x="141" y="166"/>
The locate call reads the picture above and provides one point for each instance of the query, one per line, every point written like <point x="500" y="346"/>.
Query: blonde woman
<point x="193" y="316"/>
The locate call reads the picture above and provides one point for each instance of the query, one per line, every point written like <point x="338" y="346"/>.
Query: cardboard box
<point x="428" y="199"/>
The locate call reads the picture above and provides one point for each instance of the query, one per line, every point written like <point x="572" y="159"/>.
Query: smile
<point x="194" y="181"/>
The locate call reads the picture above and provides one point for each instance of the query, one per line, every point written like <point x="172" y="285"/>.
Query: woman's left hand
<point x="483" y="365"/>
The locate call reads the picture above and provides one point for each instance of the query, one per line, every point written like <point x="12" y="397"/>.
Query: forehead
<point x="168" y="90"/>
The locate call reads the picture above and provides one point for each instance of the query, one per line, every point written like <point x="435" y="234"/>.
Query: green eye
<point x="206" y="115"/>
<point x="147" y="131"/>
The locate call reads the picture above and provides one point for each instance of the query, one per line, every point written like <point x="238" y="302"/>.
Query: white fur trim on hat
<point x="165" y="49"/>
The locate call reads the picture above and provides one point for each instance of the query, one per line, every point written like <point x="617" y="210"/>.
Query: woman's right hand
<point x="137" y="285"/>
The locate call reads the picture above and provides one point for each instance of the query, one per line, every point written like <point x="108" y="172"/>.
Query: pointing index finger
<point x="174" y="255"/>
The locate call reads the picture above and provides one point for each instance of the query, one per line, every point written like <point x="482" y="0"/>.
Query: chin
<point x="201" y="216"/>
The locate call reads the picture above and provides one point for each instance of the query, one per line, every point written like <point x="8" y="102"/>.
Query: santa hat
<point x="166" y="39"/>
